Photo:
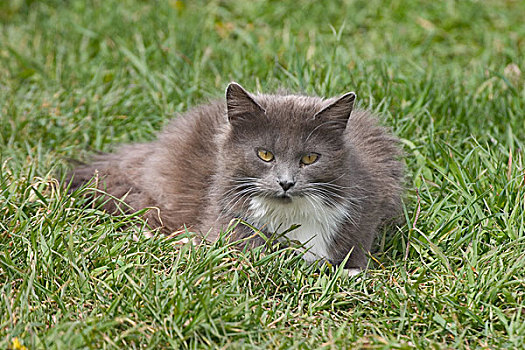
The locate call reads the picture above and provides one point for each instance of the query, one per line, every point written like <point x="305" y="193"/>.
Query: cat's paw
<point x="144" y="232"/>
<point x="353" y="271"/>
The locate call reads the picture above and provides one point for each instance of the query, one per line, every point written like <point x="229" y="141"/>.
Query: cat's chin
<point x="283" y="198"/>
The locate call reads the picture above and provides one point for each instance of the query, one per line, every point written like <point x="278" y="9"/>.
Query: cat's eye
<point x="265" y="155"/>
<point x="309" y="158"/>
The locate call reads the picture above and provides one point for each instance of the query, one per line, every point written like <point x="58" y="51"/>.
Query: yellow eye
<point x="309" y="158"/>
<point x="265" y="155"/>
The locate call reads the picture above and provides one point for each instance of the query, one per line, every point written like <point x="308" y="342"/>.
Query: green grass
<point x="78" y="77"/>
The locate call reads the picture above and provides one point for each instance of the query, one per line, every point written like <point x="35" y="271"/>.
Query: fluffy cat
<point x="273" y="161"/>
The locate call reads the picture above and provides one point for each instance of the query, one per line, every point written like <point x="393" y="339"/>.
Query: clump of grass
<point x="80" y="77"/>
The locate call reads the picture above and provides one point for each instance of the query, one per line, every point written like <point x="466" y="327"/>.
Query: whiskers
<point x="345" y="201"/>
<point x="242" y="189"/>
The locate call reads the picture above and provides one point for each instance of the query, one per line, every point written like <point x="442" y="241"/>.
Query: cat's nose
<point x="286" y="184"/>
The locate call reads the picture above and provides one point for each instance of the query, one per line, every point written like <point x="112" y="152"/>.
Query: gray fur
<point x="203" y="170"/>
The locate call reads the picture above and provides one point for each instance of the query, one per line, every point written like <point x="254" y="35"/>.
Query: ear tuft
<point x="336" y="114"/>
<point x="240" y="104"/>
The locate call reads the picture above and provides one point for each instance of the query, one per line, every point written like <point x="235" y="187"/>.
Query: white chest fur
<point x="318" y="222"/>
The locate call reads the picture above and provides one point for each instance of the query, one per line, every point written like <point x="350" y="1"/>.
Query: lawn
<point x="79" y="77"/>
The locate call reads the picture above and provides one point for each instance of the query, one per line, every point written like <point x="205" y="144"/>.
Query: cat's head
<point x="282" y="147"/>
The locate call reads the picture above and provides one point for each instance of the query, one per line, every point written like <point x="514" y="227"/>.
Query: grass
<point x="78" y="77"/>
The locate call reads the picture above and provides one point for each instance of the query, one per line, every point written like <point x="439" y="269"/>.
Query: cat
<point x="274" y="161"/>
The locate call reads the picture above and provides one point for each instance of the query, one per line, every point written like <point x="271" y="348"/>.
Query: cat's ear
<point x="241" y="105"/>
<point x="335" y="115"/>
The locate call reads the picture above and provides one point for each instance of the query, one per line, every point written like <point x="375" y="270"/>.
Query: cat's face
<point x="284" y="169"/>
<point x="283" y="148"/>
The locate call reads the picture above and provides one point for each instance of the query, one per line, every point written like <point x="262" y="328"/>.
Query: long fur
<point x="203" y="171"/>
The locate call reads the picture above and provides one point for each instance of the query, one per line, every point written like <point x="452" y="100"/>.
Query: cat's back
<point x="379" y="154"/>
<point x="366" y="134"/>
<point x="201" y="120"/>
<point x="171" y="174"/>
<point x="184" y="161"/>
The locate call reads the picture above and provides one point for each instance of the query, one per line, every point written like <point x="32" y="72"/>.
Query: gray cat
<point x="273" y="161"/>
